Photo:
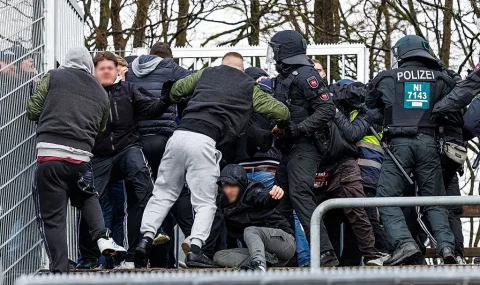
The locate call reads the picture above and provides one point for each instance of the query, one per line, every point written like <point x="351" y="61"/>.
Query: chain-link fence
<point x="28" y="29"/>
<point x="21" y="66"/>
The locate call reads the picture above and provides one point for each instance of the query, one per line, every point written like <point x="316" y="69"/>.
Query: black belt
<point x="427" y="131"/>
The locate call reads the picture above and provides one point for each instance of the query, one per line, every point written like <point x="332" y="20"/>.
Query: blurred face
<point x="320" y="70"/>
<point x="231" y="192"/>
<point x="4" y="69"/>
<point x="106" y="72"/>
<point x="27" y="65"/>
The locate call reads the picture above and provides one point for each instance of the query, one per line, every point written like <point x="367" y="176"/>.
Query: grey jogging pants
<point x="190" y="157"/>
<point x="265" y="245"/>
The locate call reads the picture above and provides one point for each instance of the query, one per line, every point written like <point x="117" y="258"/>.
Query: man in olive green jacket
<point x="223" y="99"/>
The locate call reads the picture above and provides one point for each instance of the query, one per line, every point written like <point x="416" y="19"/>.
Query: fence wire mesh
<point x="21" y="66"/>
<point x="24" y="41"/>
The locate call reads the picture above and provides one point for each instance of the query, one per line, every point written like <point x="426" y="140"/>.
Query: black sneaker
<point x="141" y="252"/>
<point x="199" y="261"/>
<point x="329" y="259"/>
<point x="87" y="264"/>
<point x="405" y="253"/>
<point x="448" y="255"/>
<point x="253" y="266"/>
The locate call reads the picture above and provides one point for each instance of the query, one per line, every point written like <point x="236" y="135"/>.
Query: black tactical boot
<point x="448" y="255"/>
<point x="329" y="259"/>
<point x="199" y="260"/>
<point x="405" y="253"/>
<point x="141" y="252"/>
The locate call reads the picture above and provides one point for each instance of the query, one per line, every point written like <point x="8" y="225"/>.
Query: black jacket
<point x="127" y="102"/>
<point x="151" y="72"/>
<point x="254" y="206"/>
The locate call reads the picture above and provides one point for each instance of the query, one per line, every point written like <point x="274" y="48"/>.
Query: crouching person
<point x="250" y="217"/>
<point x="71" y="107"/>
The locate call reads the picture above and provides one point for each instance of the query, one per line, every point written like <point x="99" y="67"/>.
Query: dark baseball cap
<point x="291" y="48"/>
<point x="7" y="55"/>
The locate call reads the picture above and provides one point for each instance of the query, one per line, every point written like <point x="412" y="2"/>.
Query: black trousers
<point x="55" y="183"/>
<point x="131" y="166"/>
<point x="296" y="176"/>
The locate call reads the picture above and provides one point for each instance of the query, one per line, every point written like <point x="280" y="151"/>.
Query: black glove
<point x="294" y="130"/>
<point x="166" y="88"/>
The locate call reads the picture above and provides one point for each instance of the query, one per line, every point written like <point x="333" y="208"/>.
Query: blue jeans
<point x="303" y="250"/>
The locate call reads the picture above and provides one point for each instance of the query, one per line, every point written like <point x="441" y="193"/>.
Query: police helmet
<point x="288" y="47"/>
<point x="412" y="46"/>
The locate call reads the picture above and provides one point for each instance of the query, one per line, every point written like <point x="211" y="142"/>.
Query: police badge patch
<point x="312" y="82"/>
<point x="324" y="96"/>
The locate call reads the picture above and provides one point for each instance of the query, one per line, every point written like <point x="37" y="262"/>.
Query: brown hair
<point x="233" y="54"/>
<point x="121" y="60"/>
<point x="316" y="61"/>
<point x="162" y="50"/>
<point x="105" y="55"/>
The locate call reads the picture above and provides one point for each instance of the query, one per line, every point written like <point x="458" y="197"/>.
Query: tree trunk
<point x="254" y="23"/>
<point x="140" y="22"/>
<point x="447" y="32"/>
<point x="101" y="42"/>
<point x="119" y="41"/>
<point x="388" y="37"/>
<point x="182" y="23"/>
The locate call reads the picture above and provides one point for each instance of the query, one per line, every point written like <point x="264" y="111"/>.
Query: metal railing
<point x="375" y="202"/>
<point x="351" y="58"/>
<point x="465" y="275"/>
<point x="28" y="47"/>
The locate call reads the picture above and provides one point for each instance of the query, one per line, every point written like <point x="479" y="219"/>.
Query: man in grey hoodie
<point x="71" y="108"/>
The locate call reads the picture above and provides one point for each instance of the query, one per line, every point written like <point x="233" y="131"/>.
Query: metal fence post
<point x="375" y="202"/>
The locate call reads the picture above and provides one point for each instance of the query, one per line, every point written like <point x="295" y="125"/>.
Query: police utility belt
<point x="452" y="149"/>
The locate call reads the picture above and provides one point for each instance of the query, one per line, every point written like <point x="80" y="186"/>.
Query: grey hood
<point x="79" y="58"/>
<point x="145" y="64"/>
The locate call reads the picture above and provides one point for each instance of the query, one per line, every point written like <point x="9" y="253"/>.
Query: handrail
<point x="375" y="202"/>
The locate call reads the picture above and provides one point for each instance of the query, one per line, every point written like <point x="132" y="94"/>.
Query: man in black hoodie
<point x="118" y="153"/>
<point x="250" y="217"/>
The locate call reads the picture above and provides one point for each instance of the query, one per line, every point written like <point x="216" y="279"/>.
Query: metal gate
<point x="27" y="49"/>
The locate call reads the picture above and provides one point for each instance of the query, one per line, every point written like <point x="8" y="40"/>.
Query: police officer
<point x="300" y="87"/>
<point x="406" y="95"/>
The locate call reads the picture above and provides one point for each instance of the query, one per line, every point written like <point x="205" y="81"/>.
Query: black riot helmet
<point x="412" y="46"/>
<point x="288" y="47"/>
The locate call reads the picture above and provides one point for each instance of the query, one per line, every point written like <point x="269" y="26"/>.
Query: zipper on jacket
<point x="111" y="118"/>
<point x="116" y="110"/>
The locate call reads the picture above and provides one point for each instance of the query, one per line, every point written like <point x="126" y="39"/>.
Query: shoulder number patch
<point x="324" y="96"/>
<point x="312" y="82"/>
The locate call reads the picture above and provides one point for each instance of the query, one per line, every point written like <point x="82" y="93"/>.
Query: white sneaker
<point x="108" y="247"/>
<point x="379" y="260"/>
<point x="161" y="238"/>
<point x="186" y="246"/>
<point x="460" y="260"/>
<point x="125" y="265"/>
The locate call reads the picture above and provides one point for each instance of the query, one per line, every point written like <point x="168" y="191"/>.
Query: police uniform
<point x="300" y="87"/>
<point x="407" y="96"/>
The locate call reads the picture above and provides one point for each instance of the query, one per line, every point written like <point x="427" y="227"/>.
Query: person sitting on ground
<point x="71" y="107"/>
<point x="250" y="217"/>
